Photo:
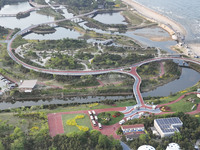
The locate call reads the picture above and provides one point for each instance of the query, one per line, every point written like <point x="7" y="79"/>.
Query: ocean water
<point x="185" y="12"/>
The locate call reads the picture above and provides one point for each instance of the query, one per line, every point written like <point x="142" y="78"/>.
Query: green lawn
<point x="184" y="105"/>
<point x="113" y="120"/>
<point x="197" y="116"/>
<point x="83" y="122"/>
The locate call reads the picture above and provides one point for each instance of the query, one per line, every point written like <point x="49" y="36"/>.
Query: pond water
<point x="15" y="8"/>
<point x="6" y="105"/>
<point x="187" y="79"/>
<point x="59" y="34"/>
<point x="110" y="18"/>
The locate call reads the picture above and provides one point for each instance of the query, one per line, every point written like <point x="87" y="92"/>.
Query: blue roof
<point x="168" y="124"/>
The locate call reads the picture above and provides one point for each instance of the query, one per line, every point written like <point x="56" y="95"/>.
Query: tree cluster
<point x="3" y="30"/>
<point x="59" y="44"/>
<point x="107" y="60"/>
<point x="37" y="138"/>
<point x="63" y="62"/>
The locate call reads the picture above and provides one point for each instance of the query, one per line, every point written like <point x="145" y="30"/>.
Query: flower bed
<point x="72" y="122"/>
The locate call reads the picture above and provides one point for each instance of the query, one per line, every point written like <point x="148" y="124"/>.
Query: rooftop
<point x="169" y="124"/>
<point x="133" y="126"/>
<point x="28" y="84"/>
<point x="146" y="147"/>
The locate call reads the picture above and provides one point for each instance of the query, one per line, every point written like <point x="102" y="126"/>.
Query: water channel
<point x="188" y="77"/>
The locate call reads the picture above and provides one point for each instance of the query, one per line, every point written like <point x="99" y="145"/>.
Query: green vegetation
<point x="194" y="66"/>
<point x="43" y="29"/>
<point x="133" y="18"/>
<point x="92" y="23"/>
<point x="184" y="105"/>
<point x="107" y="60"/>
<point x="22" y="15"/>
<point x="84" y="56"/>
<point x="63" y="62"/>
<point x="78" y="6"/>
<point x="19" y="41"/>
<point x="197" y="116"/>
<point x="59" y="44"/>
<point x="110" y="118"/>
<point x="82" y="122"/>
<point x="171" y="71"/>
<point x="3" y="32"/>
<point x="4" y="2"/>
<point x="42" y="2"/>
<point x="88" y="80"/>
<point x="172" y="97"/>
<point x="149" y="69"/>
<point x="28" y="129"/>
<point x="50" y="12"/>
<point x="187" y="137"/>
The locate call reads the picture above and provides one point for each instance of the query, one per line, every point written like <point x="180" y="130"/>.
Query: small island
<point x="43" y="29"/>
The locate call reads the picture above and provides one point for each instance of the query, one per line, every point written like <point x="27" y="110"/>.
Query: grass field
<point x="183" y="105"/>
<point x="197" y="116"/>
<point x="113" y="120"/>
<point x="83" y="122"/>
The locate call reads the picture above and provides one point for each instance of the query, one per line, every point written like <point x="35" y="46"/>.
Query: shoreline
<point x="164" y="22"/>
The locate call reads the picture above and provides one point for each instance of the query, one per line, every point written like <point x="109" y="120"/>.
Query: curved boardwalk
<point x="55" y="120"/>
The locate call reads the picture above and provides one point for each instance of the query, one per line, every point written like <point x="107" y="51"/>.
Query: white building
<point x="167" y="126"/>
<point x="198" y="93"/>
<point x="173" y="146"/>
<point x="27" y="85"/>
<point x="132" y="128"/>
<point x="146" y="147"/>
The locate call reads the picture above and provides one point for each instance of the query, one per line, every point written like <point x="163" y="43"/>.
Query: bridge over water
<point x="136" y="86"/>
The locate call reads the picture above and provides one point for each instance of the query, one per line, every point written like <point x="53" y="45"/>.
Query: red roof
<point x="133" y="126"/>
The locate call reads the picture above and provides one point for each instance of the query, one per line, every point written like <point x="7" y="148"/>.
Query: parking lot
<point x="5" y="84"/>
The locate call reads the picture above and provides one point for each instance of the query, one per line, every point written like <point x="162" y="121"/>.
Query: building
<point x="132" y="128"/>
<point x="173" y="146"/>
<point x="146" y="147"/>
<point x="198" y="92"/>
<point x="167" y="126"/>
<point x="132" y="131"/>
<point x="27" y="85"/>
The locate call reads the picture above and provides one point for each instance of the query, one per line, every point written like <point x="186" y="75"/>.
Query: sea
<point x="185" y="12"/>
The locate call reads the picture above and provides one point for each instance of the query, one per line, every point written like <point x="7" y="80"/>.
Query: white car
<point x="122" y="121"/>
<point x="128" y="118"/>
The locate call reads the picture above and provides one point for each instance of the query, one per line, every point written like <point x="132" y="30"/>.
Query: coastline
<point x="164" y="22"/>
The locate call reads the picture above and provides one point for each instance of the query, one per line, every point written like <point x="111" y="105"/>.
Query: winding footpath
<point x="131" y="111"/>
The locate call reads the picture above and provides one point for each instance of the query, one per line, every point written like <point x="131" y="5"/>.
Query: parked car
<point x="122" y="121"/>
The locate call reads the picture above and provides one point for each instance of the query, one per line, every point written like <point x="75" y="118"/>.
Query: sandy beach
<point x="166" y="23"/>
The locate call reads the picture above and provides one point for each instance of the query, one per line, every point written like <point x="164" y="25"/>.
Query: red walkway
<point x="175" y="101"/>
<point x="56" y="125"/>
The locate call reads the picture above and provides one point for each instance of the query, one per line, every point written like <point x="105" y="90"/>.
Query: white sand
<point x="195" y="48"/>
<point x="166" y="23"/>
